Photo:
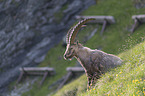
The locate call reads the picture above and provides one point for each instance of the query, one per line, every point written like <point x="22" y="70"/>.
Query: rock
<point x="28" y="30"/>
<point x="36" y="51"/>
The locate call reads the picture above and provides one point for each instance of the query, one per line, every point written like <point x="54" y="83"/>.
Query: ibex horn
<point x="76" y="28"/>
<point x="68" y="34"/>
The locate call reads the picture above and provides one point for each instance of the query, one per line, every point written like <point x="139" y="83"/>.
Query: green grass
<point x="114" y="34"/>
<point x="125" y="80"/>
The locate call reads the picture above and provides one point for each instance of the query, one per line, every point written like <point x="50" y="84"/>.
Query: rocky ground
<point x="29" y="28"/>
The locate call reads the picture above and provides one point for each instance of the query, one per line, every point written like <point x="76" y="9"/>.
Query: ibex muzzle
<point x="69" y="53"/>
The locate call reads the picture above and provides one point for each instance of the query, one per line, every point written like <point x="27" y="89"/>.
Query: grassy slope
<point x="126" y="80"/>
<point x="129" y="78"/>
<point x="114" y="37"/>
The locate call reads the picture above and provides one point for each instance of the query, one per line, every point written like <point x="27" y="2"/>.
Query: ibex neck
<point x="82" y="55"/>
<point x="82" y="52"/>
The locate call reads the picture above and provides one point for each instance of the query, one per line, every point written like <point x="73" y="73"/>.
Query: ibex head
<point x="72" y="46"/>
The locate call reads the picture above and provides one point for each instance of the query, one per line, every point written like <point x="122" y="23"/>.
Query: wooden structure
<point x="138" y="19"/>
<point x="100" y="20"/>
<point x="71" y="71"/>
<point x="75" y="69"/>
<point x="45" y="71"/>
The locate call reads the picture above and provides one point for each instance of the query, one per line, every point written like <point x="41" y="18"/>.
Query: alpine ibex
<point x="95" y="62"/>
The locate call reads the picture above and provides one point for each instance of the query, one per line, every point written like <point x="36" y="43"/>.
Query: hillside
<point x="115" y="40"/>
<point x="129" y="79"/>
<point x="126" y="80"/>
<point x="29" y="29"/>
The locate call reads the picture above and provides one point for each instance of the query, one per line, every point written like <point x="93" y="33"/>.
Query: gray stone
<point x="28" y="30"/>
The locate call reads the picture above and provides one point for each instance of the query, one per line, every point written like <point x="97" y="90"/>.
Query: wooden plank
<point x="75" y="69"/>
<point x="138" y="19"/>
<point x="69" y="74"/>
<point x="45" y="75"/>
<point x="141" y="18"/>
<point x="134" y="25"/>
<point x="35" y="73"/>
<point x="70" y="70"/>
<point x="103" y="27"/>
<point x="29" y="69"/>
<point x="99" y="19"/>
<point x="20" y="77"/>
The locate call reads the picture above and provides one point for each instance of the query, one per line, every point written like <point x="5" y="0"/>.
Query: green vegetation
<point x="128" y="79"/>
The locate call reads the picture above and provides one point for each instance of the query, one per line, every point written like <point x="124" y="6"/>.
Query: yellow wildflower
<point x="136" y="80"/>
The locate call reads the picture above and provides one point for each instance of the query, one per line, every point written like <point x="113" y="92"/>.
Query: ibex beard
<point x="94" y="62"/>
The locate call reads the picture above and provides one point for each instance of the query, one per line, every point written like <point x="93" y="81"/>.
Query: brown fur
<point x="95" y="62"/>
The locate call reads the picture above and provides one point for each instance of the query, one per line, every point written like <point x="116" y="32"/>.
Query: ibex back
<point x="95" y="62"/>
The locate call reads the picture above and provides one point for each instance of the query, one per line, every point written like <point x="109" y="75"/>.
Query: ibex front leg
<point x="89" y="77"/>
<point x="92" y="78"/>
